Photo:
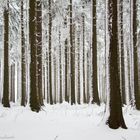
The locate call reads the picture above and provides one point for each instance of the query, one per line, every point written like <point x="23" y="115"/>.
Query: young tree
<point x="23" y="60"/>
<point x="50" y="46"/>
<point x="88" y="76"/>
<point x="83" y="38"/>
<point x="115" y="119"/>
<point x="55" y="78"/>
<point x="60" y="67"/>
<point x="78" y="67"/>
<point x="5" y="99"/>
<point x="72" y="56"/>
<point x="34" y="102"/>
<point x="94" y="55"/>
<point x="66" y="61"/>
<point x="66" y="71"/>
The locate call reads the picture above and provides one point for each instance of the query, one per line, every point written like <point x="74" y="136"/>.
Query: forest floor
<point x="65" y="122"/>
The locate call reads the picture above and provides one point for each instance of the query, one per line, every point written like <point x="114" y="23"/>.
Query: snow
<point x="65" y="122"/>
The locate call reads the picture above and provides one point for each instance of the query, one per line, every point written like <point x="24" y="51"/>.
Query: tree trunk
<point x="50" y="58"/>
<point x="60" y="68"/>
<point x="39" y="50"/>
<point x="78" y="45"/>
<point x="84" y="80"/>
<point x="34" y="101"/>
<point x="12" y="83"/>
<point x="94" y="55"/>
<point x="5" y="99"/>
<point x="55" y="79"/>
<point x="66" y="71"/>
<point x="23" y="60"/>
<point x="88" y="77"/>
<point x="115" y="119"/>
<point x="136" y="85"/>
<point x="122" y="52"/>
<point x="72" y="52"/>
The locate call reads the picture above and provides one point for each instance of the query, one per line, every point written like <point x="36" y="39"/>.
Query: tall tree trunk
<point x="136" y="85"/>
<point x="122" y="52"/>
<point x="66" y="62"/>
<point x="5" y="99"/>
<point x="78" y="45"/>
<point x="129" y="52"/>
<point x="23" y="60"/>
<point x="115" y="119"/>
<point x="39" y="50"/>
<point x="55" y="81"/>
<point x="106" y="48"/>
<point x="94" y="55"/>
<point x="84" y="80"/>
<point x="60" y="68"/>
<point x="66" y="71"/>
<point x="34" y="101"/>
<point x="47" y="75"/>
<point x="50" y="58"/>
<point x="72" y="52"/>
<point x="88" y="73"/>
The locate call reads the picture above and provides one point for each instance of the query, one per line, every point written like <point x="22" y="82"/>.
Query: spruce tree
<point x="5" y="99"/>
<point x="34" y="99"/>
<point x="115" y="119"/>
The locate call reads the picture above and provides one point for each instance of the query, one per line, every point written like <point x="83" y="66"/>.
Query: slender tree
<point x="115" y="119"/>
<point x="5" y="99"/>
<point x="23" y="60"/>
<point x="72" y="56"/>
<point x="55" y="77"/>
<point x="94" y="55"/>
<point x="50" y="46"/>
<point x="66" y="61"/>
<point x="130" y="56"/>
<point x="78" y="59"/>
<point x="84" y="80"/>
<point x="60" y="67"/>
<point x="66" y="71"/>
<point x="34" y="101"/>
<point x="88" y="76"/>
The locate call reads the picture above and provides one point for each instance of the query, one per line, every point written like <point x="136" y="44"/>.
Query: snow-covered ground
<point x="65" y="122"/>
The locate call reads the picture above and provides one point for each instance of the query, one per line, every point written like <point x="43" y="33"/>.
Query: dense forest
<point x="74" y="51"/>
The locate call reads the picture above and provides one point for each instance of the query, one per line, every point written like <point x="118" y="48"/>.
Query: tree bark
<point x="115" y="119"/>
<point x="34" y="101"/>
<point x="94" y="55"/>
<point x="66" y="71"/>
<point x="39" y="50"/>
<point x="122" y="52"/>
<point x="50" y="58"/>
<point x="72" y="53"/>
<point x="23" y="60"/>
<point x="84" y="80"/>
<point x="60" y="67"/>
<point x="5" y="99"/>
<point x="78" y="44"/>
